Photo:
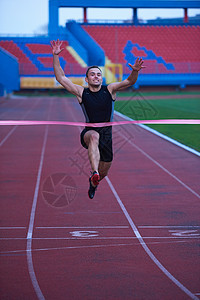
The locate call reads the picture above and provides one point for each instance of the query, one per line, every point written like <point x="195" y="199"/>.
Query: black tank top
<point x="98" y="107"/>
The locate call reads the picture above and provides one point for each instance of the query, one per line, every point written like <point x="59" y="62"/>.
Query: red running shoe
<point x="95" y="180"/>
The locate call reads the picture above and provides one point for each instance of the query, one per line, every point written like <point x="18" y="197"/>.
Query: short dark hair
<point x="92" y="68"/>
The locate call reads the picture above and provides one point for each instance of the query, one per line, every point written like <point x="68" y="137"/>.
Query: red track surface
<point x="138" y="238"/>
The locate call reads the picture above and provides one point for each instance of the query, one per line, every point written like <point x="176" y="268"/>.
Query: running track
<point x="137" y="239"/>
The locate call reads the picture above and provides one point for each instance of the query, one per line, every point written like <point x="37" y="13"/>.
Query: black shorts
<point x="105" y="142"/>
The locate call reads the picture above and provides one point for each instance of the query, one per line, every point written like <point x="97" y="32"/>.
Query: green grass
<point x="143" y="109"/>
<point x="161" y="93"/>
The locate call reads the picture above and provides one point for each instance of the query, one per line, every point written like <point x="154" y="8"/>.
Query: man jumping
<point x="97" y="103"/>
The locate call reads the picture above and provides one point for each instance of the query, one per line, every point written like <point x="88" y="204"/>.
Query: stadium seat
<point x="165" y="49"/>
<point x="174" y="44"/>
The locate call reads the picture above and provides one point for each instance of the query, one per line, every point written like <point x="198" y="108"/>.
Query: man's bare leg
<point x="91" y="138"/>
<point x="104" y="168"/>
<point x="99" y="168"/>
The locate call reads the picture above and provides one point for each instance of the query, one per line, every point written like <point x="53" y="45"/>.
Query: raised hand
<point x="56" y="47"/>
<point x="137" y="65"/>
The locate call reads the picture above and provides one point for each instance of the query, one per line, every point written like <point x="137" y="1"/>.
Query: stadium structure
<point x="171" y="52"/>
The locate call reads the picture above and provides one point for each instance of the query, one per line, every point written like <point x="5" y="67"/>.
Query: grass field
<point x="142" y="107"/>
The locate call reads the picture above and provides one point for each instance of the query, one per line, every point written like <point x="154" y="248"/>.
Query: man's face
<point x="94" y="77"/>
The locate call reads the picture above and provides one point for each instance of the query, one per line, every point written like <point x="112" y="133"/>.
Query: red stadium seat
<point x="175" y="44"/>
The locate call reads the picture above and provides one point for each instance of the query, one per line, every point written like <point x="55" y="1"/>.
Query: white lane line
<point x="121" y="237"/>
<point x="160" y="134"/>
<point x="90" y="246"/>
<point x="102" y="238"/>
<point x="106" y="227"/>
<point x="145" y="247"/>
<point x="15" y="127"/>
<point x="171" y="226"/>
<point x="32" y="272"/>
<point x="165" y="170"/>
<point x="31" y="223"/>
<point x="85" y="227"/>
<point x="8" y="135"/>
<point x="160" y="166"/>
<point x="89" y="212"/>
<point x="32" y="218"/>
<point x="12" y="228"/>
<point x="68" y="247"/>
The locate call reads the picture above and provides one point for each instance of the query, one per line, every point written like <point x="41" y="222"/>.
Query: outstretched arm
<point x="59" y="73"/>
<point x="116" y="86"/>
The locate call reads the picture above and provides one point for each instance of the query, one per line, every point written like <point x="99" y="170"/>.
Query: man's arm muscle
<point x="74" y="89"/>
<point x="132" y="78"/>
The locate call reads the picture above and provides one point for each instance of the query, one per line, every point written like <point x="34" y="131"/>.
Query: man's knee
<point x="91" y="138"/>
<point x="94" y="138"/>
